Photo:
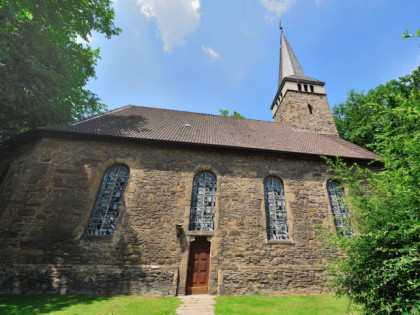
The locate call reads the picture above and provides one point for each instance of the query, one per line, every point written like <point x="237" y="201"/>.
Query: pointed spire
<point x="289" y="65"/>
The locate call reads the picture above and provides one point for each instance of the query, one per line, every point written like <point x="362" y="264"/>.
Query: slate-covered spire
<point x="289" y="65"/>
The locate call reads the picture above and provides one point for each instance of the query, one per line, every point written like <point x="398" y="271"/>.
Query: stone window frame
<point x="106" y="167"/>
<point x="289" y="215"/>
<point x="210" y="170"/>
<point x="347" y="229"/>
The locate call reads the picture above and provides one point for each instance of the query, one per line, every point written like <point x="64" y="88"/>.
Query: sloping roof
<point x="302" y="78"/>
<point x="289" y="64"/>
<point x="145" y="123"/>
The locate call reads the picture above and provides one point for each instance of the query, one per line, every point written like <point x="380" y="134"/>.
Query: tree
<point x="235" y="114"/>
<point x="44" y="66"/>
<point x="406" y="34"/>
<point x="381" y="267"/>
<point x="363" y="119"/>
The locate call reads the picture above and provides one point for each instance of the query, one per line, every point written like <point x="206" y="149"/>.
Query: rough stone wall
<point x="87" y="279"/>
<point x="294" y="112"/>
<point x="50" y="189"/>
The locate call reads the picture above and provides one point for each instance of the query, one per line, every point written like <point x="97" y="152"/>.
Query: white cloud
<point x="210" y="52"/>
<point x="239" y="75"/>
<point x="176" y="19"/>
<point x="318" y="2"/>
<point x="275" y="8"/>
<point x="250" y="34"/>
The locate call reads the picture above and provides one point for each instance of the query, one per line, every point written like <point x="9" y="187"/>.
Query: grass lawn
<point x="284" y="305"/>
<point x="86" y="305"/>
<point x="127" y="305"/>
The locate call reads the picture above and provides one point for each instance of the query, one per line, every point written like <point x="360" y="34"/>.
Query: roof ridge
<point x="198" y="113"/>
<point x="85" y="119"/>
<point x="100" y="115"/>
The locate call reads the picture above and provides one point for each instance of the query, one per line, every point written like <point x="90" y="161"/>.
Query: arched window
<point x="203" y="202"/>
<point x="275" y="209"/>
<point x="299" y="87"/>
<point x="339" y="208"/>
<point x="109" y="201"/>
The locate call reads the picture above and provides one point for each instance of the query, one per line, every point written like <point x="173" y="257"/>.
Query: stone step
<point x="196" y="304"/>
<point x="199" y="302"/>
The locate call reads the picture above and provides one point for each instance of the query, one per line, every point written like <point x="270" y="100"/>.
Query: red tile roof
<point x="145" y="123"/>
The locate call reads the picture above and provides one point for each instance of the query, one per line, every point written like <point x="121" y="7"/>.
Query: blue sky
<point x="204" y="55"/>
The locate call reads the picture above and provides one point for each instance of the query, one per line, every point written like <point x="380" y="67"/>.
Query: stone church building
<point x="142" y="200"/>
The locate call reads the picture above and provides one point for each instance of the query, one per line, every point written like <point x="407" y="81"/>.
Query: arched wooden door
<point x="198" y="267"/>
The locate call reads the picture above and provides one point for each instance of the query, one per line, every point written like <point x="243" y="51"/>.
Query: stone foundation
<point x="89" y="279"/>
<point x="282" y="280"/>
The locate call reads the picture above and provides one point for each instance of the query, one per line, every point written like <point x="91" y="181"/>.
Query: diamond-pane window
<point x="275" y="209"/>
<point x="203" y="202"/>
<point x="339" y="208"/>
<point x="109" y="201"/>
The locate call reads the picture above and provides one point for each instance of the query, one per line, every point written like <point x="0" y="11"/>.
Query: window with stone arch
<point x="109" y="201"/>
<point x="339" y="208"/>
<point x="275" y="209"/>
<point x="203" y="202"/>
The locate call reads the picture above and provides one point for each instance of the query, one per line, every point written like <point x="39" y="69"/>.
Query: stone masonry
<point x="306" y="112"/>
<point x="51" y="186"/>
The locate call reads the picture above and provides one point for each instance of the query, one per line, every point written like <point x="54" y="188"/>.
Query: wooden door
<point x="198" y="267"/>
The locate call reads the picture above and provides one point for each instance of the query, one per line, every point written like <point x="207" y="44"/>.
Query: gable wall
<point x="48" y="196"/>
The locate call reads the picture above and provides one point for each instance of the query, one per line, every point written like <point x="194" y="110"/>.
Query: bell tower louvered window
<point x="339" y="208"/>
<point x="203" y="202"/>
<point x="275" y="209"/>
<point x="109" y="201"/>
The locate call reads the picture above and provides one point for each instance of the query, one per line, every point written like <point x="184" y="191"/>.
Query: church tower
<point x="301" y="101"/>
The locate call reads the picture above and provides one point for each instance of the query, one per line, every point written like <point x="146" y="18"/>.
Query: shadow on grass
<point x="42" y="303"/>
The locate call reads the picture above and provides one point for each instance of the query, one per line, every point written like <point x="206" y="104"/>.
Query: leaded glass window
<point x="339" y="208"/>
<point x="203" y="202"/>
<point x="275" y="209"/>
<point x="109" y="201"/>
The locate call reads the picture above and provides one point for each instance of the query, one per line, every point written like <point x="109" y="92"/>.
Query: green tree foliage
<point x="406" y="34"/>
<point x="44" y="66"/>
<point x="381" y="267"/>
<point x="362" y="119"/>
<point x="235" y="114"/>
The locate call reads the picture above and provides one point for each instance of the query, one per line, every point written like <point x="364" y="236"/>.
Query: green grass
<point x="284" y="305"/>
<point x="127" y="305"/>
<point x="86" y="305"/>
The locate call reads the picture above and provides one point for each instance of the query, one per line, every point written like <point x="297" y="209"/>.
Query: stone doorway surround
<point x="185" y="239"/>
<point x="198" y="266"/>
